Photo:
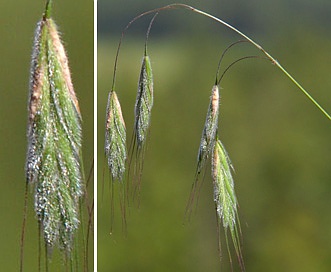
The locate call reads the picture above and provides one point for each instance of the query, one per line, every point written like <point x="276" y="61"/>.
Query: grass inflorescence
<point x="211" y="148"/>
<point x="225" y="198"/>
<point x="115" y="138"/>
<point x="144" y="102"/>
<point x="207" y="143"/>
<point x="143" y="111"/>
<point x="115" y="149"/>
<point x="54" y="157"/>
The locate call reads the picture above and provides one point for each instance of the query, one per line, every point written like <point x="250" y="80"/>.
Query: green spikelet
<point x="143" y="110"/>
<point x="53" y="162"/>
<point x="209" y="131"/>
<point x="225" y="198"/>
<point x="144" y="102"/>
<point x="224" y="194"/>
<point x="207" y="143"/>
<point x="115" y="143"/>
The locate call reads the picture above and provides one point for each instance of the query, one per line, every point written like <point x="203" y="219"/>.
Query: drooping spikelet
<point x="144" y="102"/>
<point x="143" y="110"/>
<point x="207" y="142"/>
<point x="115" y="138"/>
<point x="53" y="162"/>
<point x="224" y="194"/>
<point x="225" y="198"/>
<point x="208" y="137"/>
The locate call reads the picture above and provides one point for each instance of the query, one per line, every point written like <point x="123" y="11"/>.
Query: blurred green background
<point x="278" y="141"/>
<point x="18" y="22"/>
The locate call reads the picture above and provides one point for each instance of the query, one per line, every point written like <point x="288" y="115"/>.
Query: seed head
<point x="207" y="142"/>
<point x="115" y="138"/>
<point x="209" y="131"/>
<point x="53" y="162"/>
<point x="225" y="198"/>
<point x="144" y="101"/>
<point x="224" y="194"/>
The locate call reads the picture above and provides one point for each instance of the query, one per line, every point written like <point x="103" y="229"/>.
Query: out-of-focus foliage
<point x="278" y="141"/>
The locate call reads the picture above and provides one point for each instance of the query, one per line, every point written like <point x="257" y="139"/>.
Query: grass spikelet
<point x="144" y="102"/>
<point x="143" y="110"/>
<point x="207" y="141"/>
<point x="225" y="198"/>
<point x="145" y="96"/>
<point x="115" y="150"/>
<point x="115" y="138"/>
<point x="209" y="131"/>
<point x="54" y="158"/>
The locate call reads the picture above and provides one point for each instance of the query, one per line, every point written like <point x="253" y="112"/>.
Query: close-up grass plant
<point x="54" y="172"/>
<point x="211" y="151"/>
<point x="54" y="156"/>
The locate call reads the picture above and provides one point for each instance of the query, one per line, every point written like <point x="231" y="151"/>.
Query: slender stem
<point x="120" y="42"/>
<point x="236" y="61"/>
<point x="273" y="60"/>
<point x="172" y="6"/>
<point x="222" y="56"/>
<point x="304" y="91"/>
<point x="148" y="31"/>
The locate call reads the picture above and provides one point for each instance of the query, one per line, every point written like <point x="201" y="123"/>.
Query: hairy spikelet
<point x="144" y="102"/>
<point x="143" y="110"/>
<point x="224" y="194"/>
<point x="209" y="131"/>
<point x="207" y="143"/>
<point x="53" y="162"/>
<point x="225" y="198"/>
<point x="115" y="138"/>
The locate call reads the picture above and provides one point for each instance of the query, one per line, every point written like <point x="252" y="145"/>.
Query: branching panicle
<point x="210" y="146"/>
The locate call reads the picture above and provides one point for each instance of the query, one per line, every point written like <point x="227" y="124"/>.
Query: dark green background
<point x="18" y="22"/>
<point x="278" y="141"/>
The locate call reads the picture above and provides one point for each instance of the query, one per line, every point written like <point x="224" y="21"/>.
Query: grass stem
<point x="272" y="59"/>
<point x="259" y="47"/>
